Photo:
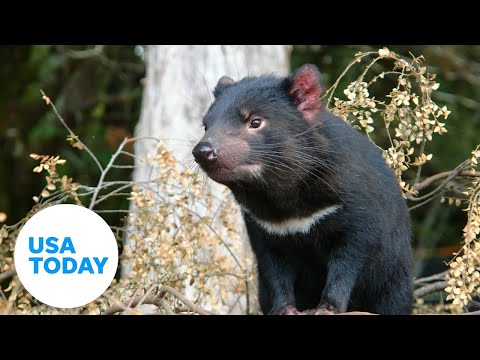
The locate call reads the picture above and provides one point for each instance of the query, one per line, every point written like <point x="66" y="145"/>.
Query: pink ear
<point x="306" y="90"/>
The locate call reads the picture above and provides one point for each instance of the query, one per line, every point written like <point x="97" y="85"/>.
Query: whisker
<point x="272" y="162"/>
<point x="277" y="162"/>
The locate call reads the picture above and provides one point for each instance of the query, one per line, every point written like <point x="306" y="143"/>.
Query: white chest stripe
<point x="296" y="225"/>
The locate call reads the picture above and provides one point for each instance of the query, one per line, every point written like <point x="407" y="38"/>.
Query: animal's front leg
<point x="276" y="285"/>
<point x="276" y="276"/>
<point x="343" y="268"/>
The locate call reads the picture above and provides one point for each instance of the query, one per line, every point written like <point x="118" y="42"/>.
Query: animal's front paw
<point x="286" y="310"/>
<point x="321" y="310"/>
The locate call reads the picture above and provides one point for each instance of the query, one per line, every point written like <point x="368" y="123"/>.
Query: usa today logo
<point x="66" y="256"/>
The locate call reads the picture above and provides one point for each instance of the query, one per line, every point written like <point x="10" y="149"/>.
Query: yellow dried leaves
<point x="464" y="276"/>
<point x="54" y="182"/>
<point x="48" y="163"/>
<point x="182" y="236"/>
<point x="73" y="140"/>
<point x="414" y="117"/>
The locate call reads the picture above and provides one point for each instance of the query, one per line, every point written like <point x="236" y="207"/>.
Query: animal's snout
<point x="205" y="154"/>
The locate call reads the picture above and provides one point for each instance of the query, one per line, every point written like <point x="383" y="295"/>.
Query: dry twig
<point x="158" y="301"/>
<point x="7" y="274"/>
<point x="430" y="288"/>
<point x="431" y="278"/>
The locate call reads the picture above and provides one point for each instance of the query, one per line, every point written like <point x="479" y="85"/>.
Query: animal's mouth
<point x="247" y="167"/>
<point x="224" y="174"/>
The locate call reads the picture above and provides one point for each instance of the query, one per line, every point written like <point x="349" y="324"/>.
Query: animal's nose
<point x="205" y="153"/>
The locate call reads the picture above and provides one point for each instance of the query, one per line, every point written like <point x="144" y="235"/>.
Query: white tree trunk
<point x="178" y="91"/>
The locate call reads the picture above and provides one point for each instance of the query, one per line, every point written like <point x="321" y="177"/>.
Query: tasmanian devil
<point x="326" y="219"/>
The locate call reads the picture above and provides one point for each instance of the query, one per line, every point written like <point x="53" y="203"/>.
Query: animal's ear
<point x="222" y="84"/>
<point x="305" y="89"/>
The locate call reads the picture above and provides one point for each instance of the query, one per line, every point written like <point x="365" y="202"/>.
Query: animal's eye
<point x="255" y="123"/>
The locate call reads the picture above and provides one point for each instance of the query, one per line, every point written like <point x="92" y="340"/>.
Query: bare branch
<point x="115" y="302"/>
<point x="49" y="102"/>
<point x="332" y="89"/>
<point x="105" y="171"/>
<point x="123" y="167"/>
<point x="111" y="165"/>
<point x="130" y="303"/>
<point x="158" y="301"/>
<point x="7" y="274"/>
<point x="458" y="171"/>
<point x="85" y="54"/>
<point x="449" y="175"/>
<point x="147" y="293"/>
<point x="430" y="288"/>
<point x="183" y="298"/>
<point x="431" y="278"/>
<point x="477" y="312"/>
<point x="428" y="181"/>
<point x="165" y="307"/>
<point x="456" y="98"/>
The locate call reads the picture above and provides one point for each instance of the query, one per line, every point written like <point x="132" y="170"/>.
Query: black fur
<point x="358" y="258"/>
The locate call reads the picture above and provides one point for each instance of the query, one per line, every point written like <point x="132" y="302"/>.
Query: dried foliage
<point x="60" y="187"/>
<point x="56" y="191"/>
<point x="408" y="114"/>
<point x="183" y="236"/>
<point x="180" y="238"/>
<point x="464" y="276"/>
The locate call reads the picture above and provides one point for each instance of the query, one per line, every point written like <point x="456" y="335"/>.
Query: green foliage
<point x="99" y="96"/>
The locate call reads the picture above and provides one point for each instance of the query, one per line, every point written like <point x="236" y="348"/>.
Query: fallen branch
<point x="183" y="298"/>
<point x="156" y="300"/>
<point x="477" y="312"/>
<point x="167" y="309"/>
<point x="356" y="313"/>
<point x="115" y="302"/>
<point x="118" y="307"/>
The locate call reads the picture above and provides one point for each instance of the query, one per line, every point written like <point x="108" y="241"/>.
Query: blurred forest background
<point x="98" y="91"/>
